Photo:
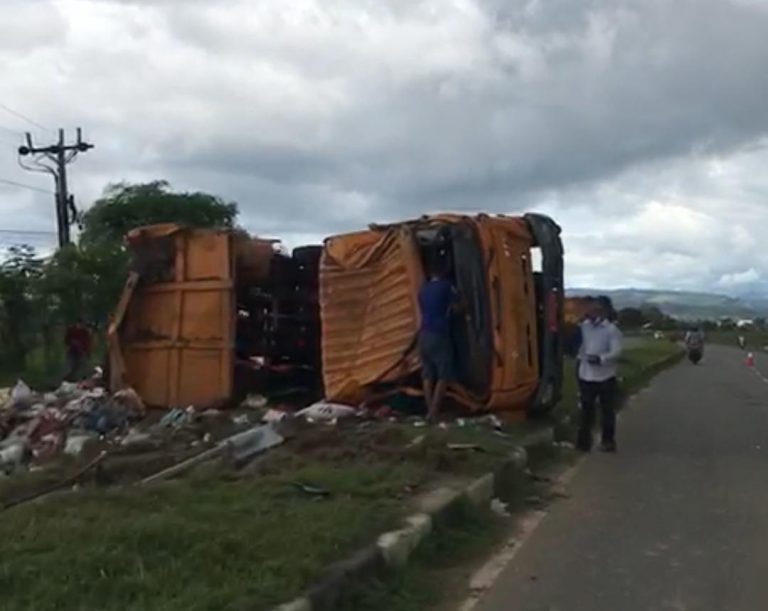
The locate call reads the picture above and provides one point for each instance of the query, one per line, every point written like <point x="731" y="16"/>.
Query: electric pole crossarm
<point x="60" y="154"/>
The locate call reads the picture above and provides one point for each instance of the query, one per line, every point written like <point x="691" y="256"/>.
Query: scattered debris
<point x="241" y="419"/>
<point x="63" y="421"/>
<point x="135" y="437"/>
<point x="12" y="457"/>
<point x="20" y="394"/>
<point x="241" y="446"/>
<point x="500" y="508"/>
<point x="255" y="402"/>
<point x="247" y="444"/>
<point x="76" y="442"/>
<point x="274" y="415"/>
<point x="315" y="491"/>
<point x="416" y="441"/>
<point x="326" y="412"/>
<point x="176" y="418"/>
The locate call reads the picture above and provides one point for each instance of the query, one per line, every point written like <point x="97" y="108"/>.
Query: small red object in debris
<point x="383" y="412"/>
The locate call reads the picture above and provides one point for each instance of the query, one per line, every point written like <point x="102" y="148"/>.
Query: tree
<point x="631" y="318"/>
<point x="38" y="298"/>
<point x="19" y="311"/>
<point x="126" y="206"/>
<point x="653" y="314"/>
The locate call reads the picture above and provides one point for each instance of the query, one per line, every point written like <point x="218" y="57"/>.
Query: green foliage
<point x="19" y="306"/>
<point x="40" y="297"/>
<point x="127" y="206"/>
<point x="631" y="318"/>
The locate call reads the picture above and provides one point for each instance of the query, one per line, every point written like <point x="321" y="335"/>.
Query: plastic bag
<point x="325" y="412"/>
<point x="21" y="393"/>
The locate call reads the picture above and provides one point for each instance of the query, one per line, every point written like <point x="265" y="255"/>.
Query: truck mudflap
<point x="546" y="234"/>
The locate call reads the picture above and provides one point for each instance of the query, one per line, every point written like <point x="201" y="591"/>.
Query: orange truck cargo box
<point x="509" y="348"/>
<point x="172" y="335"/>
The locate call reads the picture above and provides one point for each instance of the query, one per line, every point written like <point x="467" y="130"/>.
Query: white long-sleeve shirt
<point x="602" y="339"/>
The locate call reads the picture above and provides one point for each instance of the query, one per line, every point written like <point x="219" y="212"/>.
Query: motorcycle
<point x="695" y="353"/>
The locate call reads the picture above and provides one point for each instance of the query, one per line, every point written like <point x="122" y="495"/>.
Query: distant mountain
<point x="683" y="304"/>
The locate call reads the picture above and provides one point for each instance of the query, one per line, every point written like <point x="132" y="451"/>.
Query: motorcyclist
<point x="694" y="340"/>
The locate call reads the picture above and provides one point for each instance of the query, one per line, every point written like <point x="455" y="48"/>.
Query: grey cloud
<point x="321" y="117"/>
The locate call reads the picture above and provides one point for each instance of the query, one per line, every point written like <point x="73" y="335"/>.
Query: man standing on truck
<point x="597" y="362"/>
<point x="437" y="299"/>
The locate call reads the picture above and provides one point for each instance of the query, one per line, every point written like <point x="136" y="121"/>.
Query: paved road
<point x="677" y="521"/>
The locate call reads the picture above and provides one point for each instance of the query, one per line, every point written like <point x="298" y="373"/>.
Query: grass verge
<point x="208" y="542"/>
<point x="224" y="540"/>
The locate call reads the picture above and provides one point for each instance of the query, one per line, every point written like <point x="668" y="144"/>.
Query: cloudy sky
<point x="641" y="125"/>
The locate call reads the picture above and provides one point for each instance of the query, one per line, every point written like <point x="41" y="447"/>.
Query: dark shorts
<point x="436" y="356"/>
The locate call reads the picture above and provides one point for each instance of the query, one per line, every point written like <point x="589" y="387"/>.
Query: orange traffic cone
<point x="750" y="360"/>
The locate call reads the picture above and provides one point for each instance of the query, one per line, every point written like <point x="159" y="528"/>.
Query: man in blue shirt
<point x="437" y="299"/>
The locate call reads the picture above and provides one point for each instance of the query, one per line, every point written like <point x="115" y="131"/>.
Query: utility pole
<point x="59" y="154"/>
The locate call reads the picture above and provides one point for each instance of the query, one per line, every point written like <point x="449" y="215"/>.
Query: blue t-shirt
<point x="435" y="300"/>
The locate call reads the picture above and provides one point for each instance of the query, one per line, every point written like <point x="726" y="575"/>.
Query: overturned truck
<point x="508" y="346"/>
<point x="208" y="315"/>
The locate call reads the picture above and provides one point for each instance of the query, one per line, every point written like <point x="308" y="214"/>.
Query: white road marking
<point x="484" y="578"/>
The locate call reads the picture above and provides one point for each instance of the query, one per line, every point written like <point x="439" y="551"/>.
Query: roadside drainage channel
<point x="394" y="549"/>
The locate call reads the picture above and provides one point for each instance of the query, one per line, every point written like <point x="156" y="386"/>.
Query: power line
<point x="23" y="117"/>
<point x="23" y="186"/>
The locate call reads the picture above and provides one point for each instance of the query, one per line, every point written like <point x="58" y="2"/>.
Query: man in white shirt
<point x="598" y="361"/>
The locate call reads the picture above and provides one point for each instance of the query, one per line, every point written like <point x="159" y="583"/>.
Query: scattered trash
<point x="492" y="420"/>
<point x="21" y="393"/>
<point x="176" y="418"/>
<point x="500" y="508"/>
<point x="324" y="412"/>
<point x="67" y="390"/>
<point x="247" y="444"/>
<point x="416" y="441"/>
<point x="75" y="443"/>
<point x="12" y="457"/>
<point x="240" y="419"/>
<point x="129" y="402"/>
<point x="315" y="491"/>
<point x="255" y="402"/>
<point x="135" y="437"/>
<point x="420" y="424"/>
<point x="274" y="415"/>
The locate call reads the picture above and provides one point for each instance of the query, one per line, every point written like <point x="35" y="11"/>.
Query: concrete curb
<point x="394" y="549"/>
